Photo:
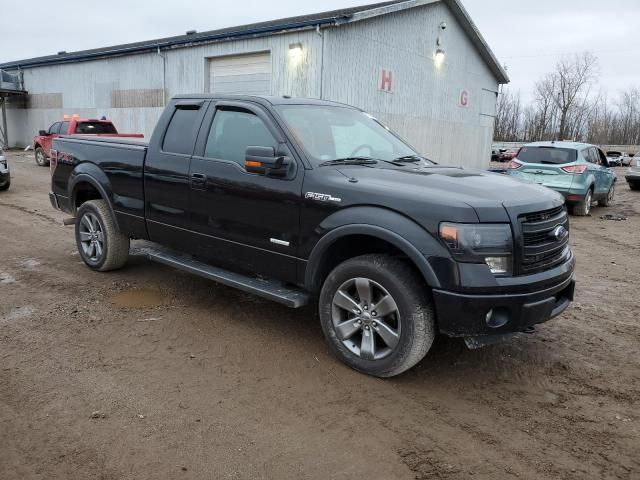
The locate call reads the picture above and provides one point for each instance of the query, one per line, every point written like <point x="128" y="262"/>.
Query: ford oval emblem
<point x="559" y="233"/>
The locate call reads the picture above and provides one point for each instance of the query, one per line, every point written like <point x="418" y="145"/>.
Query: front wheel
<point x="41" y="157"/>
<point x="611" y="195"/>
<point x="100" y="245"/>
<point x="376" y="315"/>
<point x="634" y="186"/>
<point x="583" y="208"/>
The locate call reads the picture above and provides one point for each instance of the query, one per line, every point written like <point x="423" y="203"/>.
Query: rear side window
<point x="232" y="131"/>
<point x="181" y="132"/>
<point x="64" y="128"/>
<point x="548" y="155"/>
<point x="95" y="127"/>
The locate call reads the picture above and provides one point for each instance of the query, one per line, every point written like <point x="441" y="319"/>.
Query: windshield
<point x="547" y="155"/>
<point x="95" y="127"/>
<point x="333" y="133"/>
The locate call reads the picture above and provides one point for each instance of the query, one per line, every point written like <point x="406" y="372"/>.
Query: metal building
<point x="420" y="66"/>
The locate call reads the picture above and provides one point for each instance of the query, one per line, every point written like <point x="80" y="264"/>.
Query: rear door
<point x="166" y="174"/>
<point x="244" y="220"/>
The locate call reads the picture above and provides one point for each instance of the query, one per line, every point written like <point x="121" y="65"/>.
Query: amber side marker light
<point x="449" y="234"/>
<point x="251" y="163"/>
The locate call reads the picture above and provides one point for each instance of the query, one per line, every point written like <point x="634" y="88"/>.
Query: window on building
<point x="232" y="131"/>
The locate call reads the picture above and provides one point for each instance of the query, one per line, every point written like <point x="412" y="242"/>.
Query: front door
<point x="244" y="220"/>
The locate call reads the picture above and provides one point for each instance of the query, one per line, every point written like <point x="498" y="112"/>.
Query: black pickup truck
<point x="299" y="200"/>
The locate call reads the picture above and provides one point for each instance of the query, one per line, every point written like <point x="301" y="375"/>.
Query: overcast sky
<point x="529" y="36"/>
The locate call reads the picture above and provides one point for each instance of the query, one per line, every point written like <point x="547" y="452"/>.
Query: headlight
<point x="491" y="244"/>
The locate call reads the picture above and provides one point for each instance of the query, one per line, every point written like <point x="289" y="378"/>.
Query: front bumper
<point x="465" y="315"/>
<point x="5" y="175"/>
<point x="632" y="177"/>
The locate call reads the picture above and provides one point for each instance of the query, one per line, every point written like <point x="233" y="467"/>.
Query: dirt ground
<point x="148" y="373"/>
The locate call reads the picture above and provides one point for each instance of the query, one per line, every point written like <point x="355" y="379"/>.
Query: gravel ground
<point x="149" y="373"/>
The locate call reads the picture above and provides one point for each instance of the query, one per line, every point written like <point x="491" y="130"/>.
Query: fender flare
<point x="87" y="178"/>
<point x="417" y="256"/>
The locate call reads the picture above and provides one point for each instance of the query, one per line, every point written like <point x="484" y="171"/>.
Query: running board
<point x="270" y="289"/>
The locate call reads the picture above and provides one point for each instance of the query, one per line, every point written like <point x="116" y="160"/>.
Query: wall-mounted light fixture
<point x="295" y="50"/>
<point x="438" y="58"/>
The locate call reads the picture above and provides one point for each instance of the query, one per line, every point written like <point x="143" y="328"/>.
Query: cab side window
<point x="232" y="131"/>
<point x="54" y="129"/>
<point x="181" y="133"/>
<point x="64" y="128"/>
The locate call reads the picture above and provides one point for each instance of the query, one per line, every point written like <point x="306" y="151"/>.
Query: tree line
<point x="567" y="106"/>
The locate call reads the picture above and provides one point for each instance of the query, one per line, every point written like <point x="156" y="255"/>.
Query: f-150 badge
<point x="322" y="197"/>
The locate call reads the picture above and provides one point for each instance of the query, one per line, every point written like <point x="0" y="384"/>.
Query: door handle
<point x="199" y="181"/>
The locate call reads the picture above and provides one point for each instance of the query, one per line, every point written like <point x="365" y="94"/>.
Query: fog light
<point x="497" y="317"/>
<point x="499" y="265"/>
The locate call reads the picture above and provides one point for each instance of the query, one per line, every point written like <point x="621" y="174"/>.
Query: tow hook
<point x="69" y="221"/>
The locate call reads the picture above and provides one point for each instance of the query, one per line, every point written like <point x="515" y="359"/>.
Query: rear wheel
<point x="376" y="315"/>
<point x="634" y="186"/>
<point x="611" y="195"/>
<point x="5" y="185"/>
<point x="41" y="157"/>
<point x="583" y="208"/>
<point x="100" y="245"/>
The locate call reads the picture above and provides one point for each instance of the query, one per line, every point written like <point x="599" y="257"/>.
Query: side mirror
<point x="263" y="161"/>
<point x="43" y="133"/>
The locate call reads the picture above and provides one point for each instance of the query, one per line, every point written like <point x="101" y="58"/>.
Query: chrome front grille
<point x="543" y="245"/>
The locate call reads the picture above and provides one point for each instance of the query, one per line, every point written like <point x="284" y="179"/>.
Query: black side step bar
<point x="270" y="289"/>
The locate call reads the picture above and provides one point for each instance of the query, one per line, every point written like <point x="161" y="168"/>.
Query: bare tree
<point x="572" y="77"/>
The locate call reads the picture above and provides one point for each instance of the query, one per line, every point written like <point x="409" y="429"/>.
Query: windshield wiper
<point x="412" y="159"/>
<point x="350" y="161"/>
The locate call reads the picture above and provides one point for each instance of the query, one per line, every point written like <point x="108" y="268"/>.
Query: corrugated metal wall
<point x="423" y="106"/>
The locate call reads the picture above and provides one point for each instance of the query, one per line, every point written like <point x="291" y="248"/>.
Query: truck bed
<point x="114" y="164"/>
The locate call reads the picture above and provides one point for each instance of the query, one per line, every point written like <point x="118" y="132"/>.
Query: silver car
<point x="633" y="174"/>
<point x="5" y="175"/>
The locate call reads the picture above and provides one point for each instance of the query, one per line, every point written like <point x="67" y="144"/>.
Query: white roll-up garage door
<point x="250" y="74"/>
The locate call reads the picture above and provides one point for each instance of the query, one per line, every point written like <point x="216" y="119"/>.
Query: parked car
<point x="633" y="174"/>
<point x="508" y="155"/>
<point x="73" y="126"/>
<point x="300" y="199"/>
<point x="627" y="159"/>
<point x="615" y="158"/>
<point x="578" y="171"/>
<point x="495" y="155"/>
<point x="5" y="174"/>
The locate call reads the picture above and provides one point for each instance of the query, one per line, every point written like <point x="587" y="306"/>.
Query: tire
<point x="608" y="200"/>
<point x="41" y="158"/>
<point x="5" y="186"/>
<point x="100" y="245"/>
<point x="634" y="186"/>
<point x="583" y="208"/>
<point x="409" y="328"/>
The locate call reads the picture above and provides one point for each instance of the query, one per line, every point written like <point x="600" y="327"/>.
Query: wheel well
<point x="352" y="246"/>
<point x="84" y="192"/>
<point x="37" y="145"/>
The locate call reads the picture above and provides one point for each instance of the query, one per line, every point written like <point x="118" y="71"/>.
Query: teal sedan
<point x="579" y="171"/>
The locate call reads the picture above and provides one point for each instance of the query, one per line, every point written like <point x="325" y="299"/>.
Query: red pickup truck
<point x="73" y="126"/>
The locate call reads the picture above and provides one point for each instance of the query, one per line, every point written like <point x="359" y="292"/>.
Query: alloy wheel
<point x="366" y="318"/>
<point x="91" y="237"/>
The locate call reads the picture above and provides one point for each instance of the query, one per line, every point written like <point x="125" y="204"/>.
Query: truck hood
<point x="493" y="197"/>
